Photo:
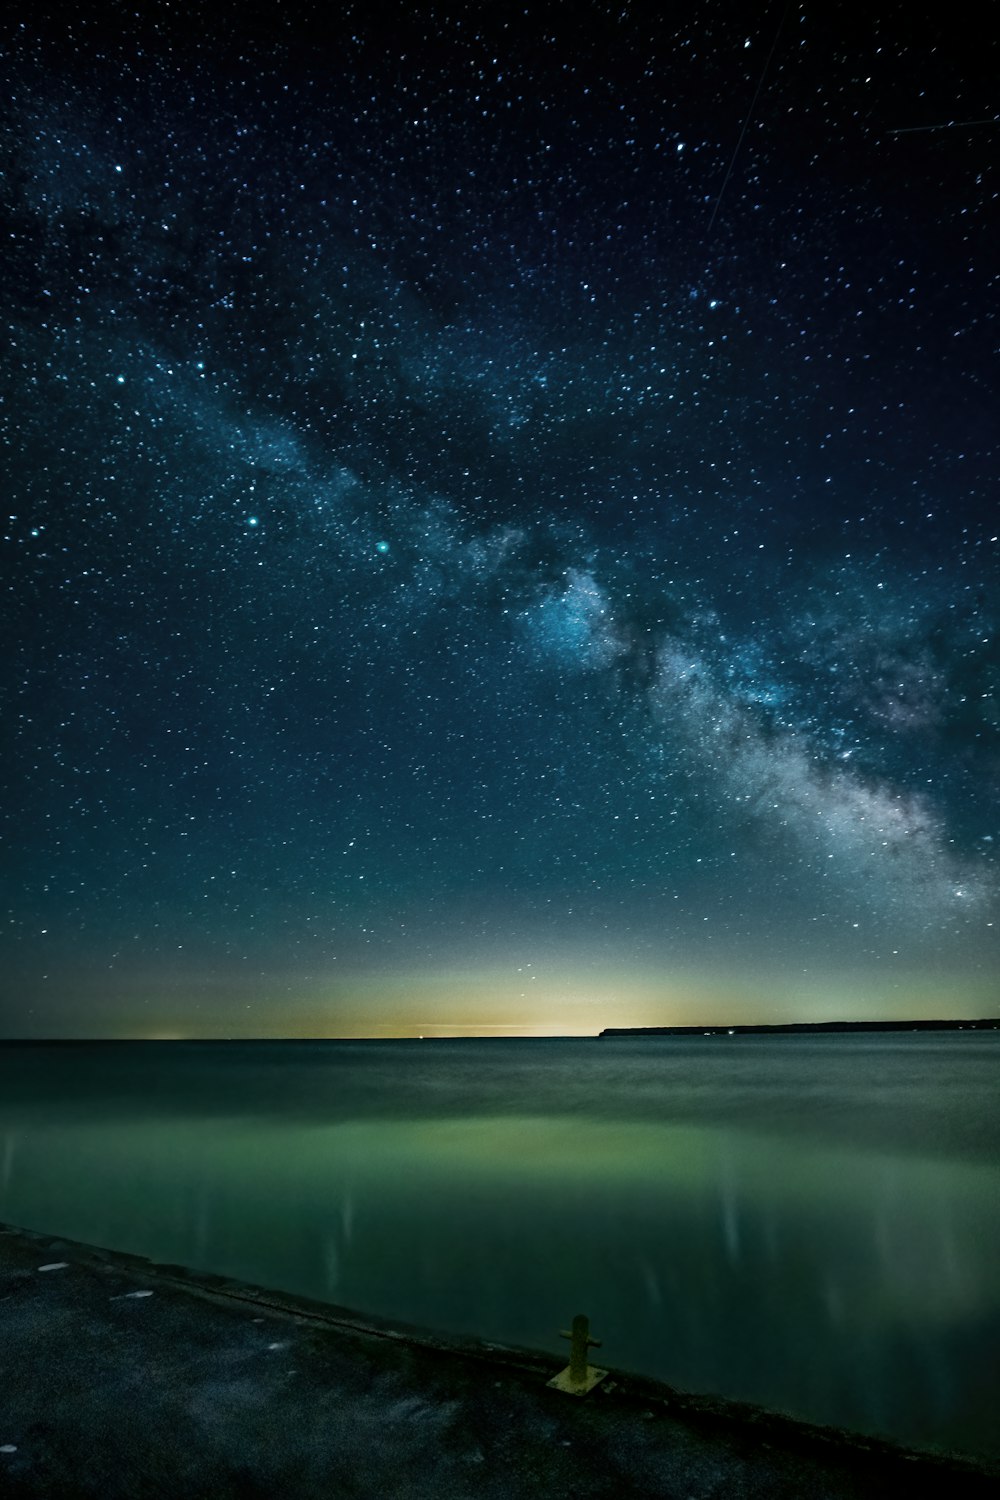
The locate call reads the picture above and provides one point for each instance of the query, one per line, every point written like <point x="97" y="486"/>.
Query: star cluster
<point x="502" y="525"/>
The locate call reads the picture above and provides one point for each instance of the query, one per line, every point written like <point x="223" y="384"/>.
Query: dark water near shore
<point x="809" y="1223"/>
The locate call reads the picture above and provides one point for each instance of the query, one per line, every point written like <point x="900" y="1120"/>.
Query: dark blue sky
<point x="472" y="564"/>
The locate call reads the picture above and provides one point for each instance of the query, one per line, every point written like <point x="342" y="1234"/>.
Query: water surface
<point x="810" y="1223"/>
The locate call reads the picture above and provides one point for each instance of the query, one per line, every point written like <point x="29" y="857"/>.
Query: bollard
<point x="579" y="1377"/>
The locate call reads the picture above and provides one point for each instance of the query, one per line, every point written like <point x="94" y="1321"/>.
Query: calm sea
<point x="812" y="1224"/>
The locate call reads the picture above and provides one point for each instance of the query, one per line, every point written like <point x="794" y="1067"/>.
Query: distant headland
<point x="807" y="1028"/>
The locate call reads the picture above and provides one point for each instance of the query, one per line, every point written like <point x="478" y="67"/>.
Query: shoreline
<point x="128" y="1369"/>
<point x="737" y="1028"/>
<point x="805" y="1028"/>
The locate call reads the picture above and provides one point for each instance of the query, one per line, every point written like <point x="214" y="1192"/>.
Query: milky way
<point x="473" y="564"/>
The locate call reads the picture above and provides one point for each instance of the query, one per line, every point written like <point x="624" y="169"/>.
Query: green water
<point x="810" y="1225"/>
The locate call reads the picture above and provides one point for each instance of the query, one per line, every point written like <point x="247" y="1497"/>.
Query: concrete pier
<point x="121" y="1379"/>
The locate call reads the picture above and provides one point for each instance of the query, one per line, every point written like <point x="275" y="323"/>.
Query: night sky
<point x="503" y="527"/>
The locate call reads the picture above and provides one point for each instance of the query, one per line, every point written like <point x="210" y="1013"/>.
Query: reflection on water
<point x="775" y="1221"/>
